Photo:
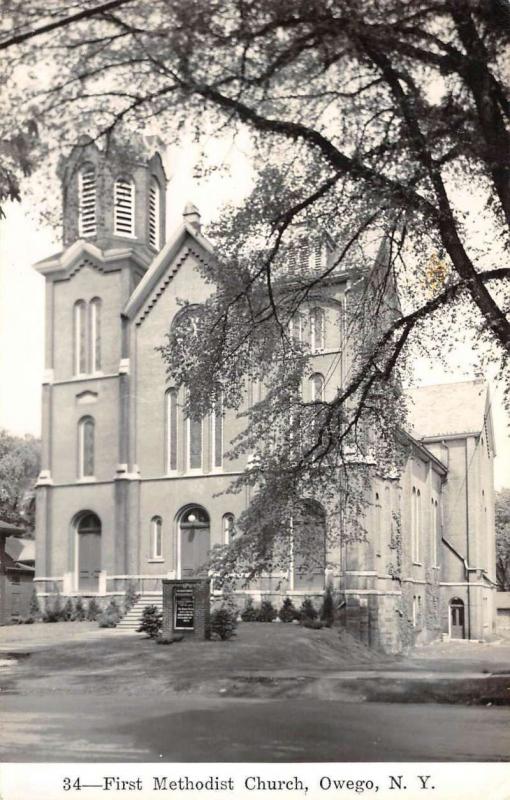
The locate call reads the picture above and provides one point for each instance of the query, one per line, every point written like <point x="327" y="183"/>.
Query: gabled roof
<point x="449" y="409"/>
<point x="66" y="258"/>
<point x="20" y="549"/>
<point x="160" y="265"/>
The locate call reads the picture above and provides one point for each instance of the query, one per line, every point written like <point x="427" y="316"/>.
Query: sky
<point x="25" y="239"/>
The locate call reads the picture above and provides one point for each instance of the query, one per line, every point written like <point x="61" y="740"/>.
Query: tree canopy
<point x="19" y="467"/>
<point x="381" y="125"/>
<point x="503" y="540"/>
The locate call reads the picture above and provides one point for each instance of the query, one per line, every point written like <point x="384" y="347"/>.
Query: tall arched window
<point x="377" y="523"/>
<point x="86" y="447"/>
<point x="156" y="538"/>
<point x="80" y="338"/>
<point x="434" y="529"/>
<point x="171" y="430"/>
<point x="154" y="214"/>
<point x="317" y="330"/>
<point x="217" y="434"/>
<point x="95" y="334"/>
<point x="416" y="524"/>
<point x="317" y="386"/>
<point x="124" y="207"/>
<point x="87" y="200"/>
<point x="228" y="528"/>
<point x="194" y="427"/>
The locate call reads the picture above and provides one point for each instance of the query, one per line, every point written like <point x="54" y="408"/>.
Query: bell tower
<point x="115" y="197"/>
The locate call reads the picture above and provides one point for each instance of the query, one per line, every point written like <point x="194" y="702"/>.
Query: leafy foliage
<point x="249" y="613"/>
<point x="111" y="615"/>
<point x="19" y="468"/>
<point x="131" y="596"/>
<point x="503" y="540"/>
<point x="34" y="609"/>
<point x="68" y="610"/>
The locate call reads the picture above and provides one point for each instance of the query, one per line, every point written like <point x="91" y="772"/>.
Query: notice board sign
<point x="184" y="609"/>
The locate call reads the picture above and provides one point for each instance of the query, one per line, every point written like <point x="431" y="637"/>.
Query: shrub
<point x="26" y="621"/>
<point x="267" y="612"/>
<point x="54" y="613"/>
<point x="151" y="623"/>
<point x="249" y="613"/>
<point x="307" y="611"/>
<point x="327" y="612"/>
<point x="110" y="617"/>
<point x="93" y="610"/>
<point x="79" y="611"/>
<point x="288" y="612"/>
<point x="315" y="624"/>
<point x="67" y="611"/>
<point x="35" y="607"/>
<point x="169" y="639"/>
<point x="107" y="620"/>
<point x="130" y="597"/>
<point x="223" y="623"/>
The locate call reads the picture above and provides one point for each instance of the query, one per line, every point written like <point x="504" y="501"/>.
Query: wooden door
<point x="457" y="627"/>
<point x="89" y="553"/>
<point x="195" y="546"/>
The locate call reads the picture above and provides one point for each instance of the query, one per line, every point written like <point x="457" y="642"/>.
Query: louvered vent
<point x="87" y="210"/>
<point x="124" y="207"/>
<point x="154" y="213"/>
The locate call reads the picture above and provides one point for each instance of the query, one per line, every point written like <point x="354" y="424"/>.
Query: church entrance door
<point x="195" y="541"/>
<point x="89" y="552"/>
<point x="457" y="629"/>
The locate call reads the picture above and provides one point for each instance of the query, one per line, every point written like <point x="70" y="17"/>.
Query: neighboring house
<point x="16" y="577"/>
<point x="132" y="491"/>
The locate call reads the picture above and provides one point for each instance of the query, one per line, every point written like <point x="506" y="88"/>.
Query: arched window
<point x="171" y="430"/>
<point x="296" y="327"/>
<point x="156" y="538"/>
<point x="217" y="434"/>
<point x="317" y="387"/>
<point x="416" y="524"/>
<point x="86" y="447"/>
<point x="154" y="214"/>
<point x="194" y="427"/>
<point x="317" y="330"/>
<point x="87" y="201"/>
<point x="124" y="207"/>
<point x="80" y="338"/>
<point x="434" y="530"/>
<point x="228" y="528"/>
<point x="377" y="523"/>
<point x="95" y="334"/>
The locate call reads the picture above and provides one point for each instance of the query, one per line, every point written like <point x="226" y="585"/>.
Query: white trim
<point x="466" y="583"/>
<point x="360" y="572"/>
<point x="124" y="366"/>
<point x="372" y="591"/>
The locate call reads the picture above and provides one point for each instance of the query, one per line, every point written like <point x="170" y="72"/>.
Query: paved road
<point x="192" y="728"/>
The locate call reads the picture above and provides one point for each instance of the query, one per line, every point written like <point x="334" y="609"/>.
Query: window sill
<point x="87" y="479"/>
<point x="417" y="564"/>
<point x="155" y="560"/>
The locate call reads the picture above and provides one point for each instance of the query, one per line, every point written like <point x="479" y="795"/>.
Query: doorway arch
<point x="457" y="619"/>
<point x="194" y="541"/>
<point x="88" y="551"/>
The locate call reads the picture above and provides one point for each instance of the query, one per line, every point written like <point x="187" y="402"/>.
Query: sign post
<point x="186" y="607"/>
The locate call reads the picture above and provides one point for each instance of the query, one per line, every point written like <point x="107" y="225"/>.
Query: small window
<point x="228" y="528"/>
<point x="87" y="201"/>
<point x="80" y="338"/>
<point x="317" y="387"/>
<point x="156" y="538"/>
<point x="154" y="214"/>
<point x="317" y="330"/>
<point x="171" y="428"/>
<point x="86" y="445"/>
<point x="95" y="334"/>
<point x="124" y="202"/>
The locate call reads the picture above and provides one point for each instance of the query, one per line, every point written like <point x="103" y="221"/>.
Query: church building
<point x="131" y="492"/>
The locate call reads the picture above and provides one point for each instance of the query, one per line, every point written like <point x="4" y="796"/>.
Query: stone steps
<point x="131" y="620"/>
